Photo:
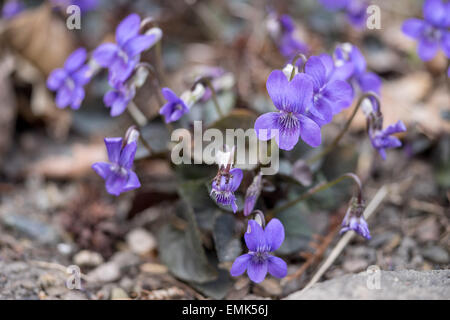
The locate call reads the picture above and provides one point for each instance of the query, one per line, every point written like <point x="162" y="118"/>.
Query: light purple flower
<point x="288" y="44"/>
<point x="84" y="5"/>
<point x="354" y="219"/>
<point x="117" y="172"/>
<point x="331" y="94"/>
<point x="68" y="82"/>
<point x="367" y="81"/>
<point x="258" y="261"/>
<point x="383" y="139"/>
<point x="224" y="186"/>
<point x="432" y="32"/>
<point x="119" y="97"/>
<point x="121" y="58"/>
<point x="292" y="99"/>
<point x="175" y="107"/>
<point x="12" y="8"/>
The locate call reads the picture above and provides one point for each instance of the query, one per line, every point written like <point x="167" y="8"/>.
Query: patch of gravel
<point x="395" y="285"/>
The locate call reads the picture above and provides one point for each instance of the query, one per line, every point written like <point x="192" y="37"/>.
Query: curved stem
<point x="316" y="189"/>
<point x="336" y="140"/>
<point x="154" y="74"/>
<point x="294" y="61"/>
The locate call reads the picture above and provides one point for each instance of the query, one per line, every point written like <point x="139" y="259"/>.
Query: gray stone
<point x="436" y="254"/>
<point x="107" y="272"/>
<point x="396" y="285"/>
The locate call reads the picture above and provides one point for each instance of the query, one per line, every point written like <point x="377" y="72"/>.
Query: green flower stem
<point x="320" y="187"/>
<point x="336" y="140"/>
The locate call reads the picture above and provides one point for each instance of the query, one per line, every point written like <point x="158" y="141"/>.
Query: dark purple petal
<point x="266" y="126"/>
<point x="254" y="236"/>
<point x="82" y="76"/>
<point x="338" y="91"/>
<point x="309" y="131"/>
<point x="105" y="53"/>
<point x="64" y="96"/>
<point x="77" y="98"/>
<point x="369" y="81"/>
<point x="413" y="27"/>
<point x="113" y="147"/>
<point x="289" y="132"/>
<point x="119" y="106"/>
<point x="127" y="155"/>
<point x="287" y="23"/>
<point x="399" y="126"/>
<point x="299" y="93"/>
<point x="357" y="58"/>
<point x="315" y="68"/>
<point x="110" y="97"/>
<point x="103" y="169"/>
<point x="56" y="79"/>
<point x="276" y="87"/>
<point x="139" y="44"/>
<point x="257" y="270"/>
<point x="274" y="234"/>
<point x="169" y="95"/>
<point x="132" y="183"/>
<point x="427" y="49"/>
<point x="121" y="69"/>
<point x="434" y="11"/>
<point x="277" y="267"/>
<point x="240" y="265"/>
<point x="75" y="60"/>
<point x="128" y="28"/>
<point x="115" y="183"/>
<point x="322" y="109"/>
<point x="237" y="178"/>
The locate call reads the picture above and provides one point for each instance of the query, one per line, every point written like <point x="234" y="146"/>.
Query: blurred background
<point x="55" y="212"/>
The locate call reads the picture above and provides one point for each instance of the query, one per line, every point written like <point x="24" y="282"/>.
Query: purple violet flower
<point x="252" y="194"/>
<point x="355" y="9"/>
<point x="12" y="8"/>
<point x="121" y="58"/>
<point x="119" y="97"/>
<point x="258" y="261"/>
<point x="367" y="81"/>
<point x="69" y="81"/>
<point x="432" y="32"/>
<point x="175" y="107"/>
<point x="292" y="99"/>
<point x="382" y="139"/>
<point x="331" y="95"/>
<point x="85" y="5"/>
<point x="225" y="184"/>
<point x="117" y="172"/>
<point x="354" y="219"/>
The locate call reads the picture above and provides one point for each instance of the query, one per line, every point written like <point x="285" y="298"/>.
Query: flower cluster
<point x="69" y="81"/>
<point x="117" y="173"/>
<point x="283" y="31"/>
<point x="432" y="32"/>
<point x="350" y="57"/>
<point x="258" y="261"/>
<point x="355" y="9"/>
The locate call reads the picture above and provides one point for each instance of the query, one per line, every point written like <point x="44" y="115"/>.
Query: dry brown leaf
<point x="40" y="37"/>
<point x="74" y="165"/>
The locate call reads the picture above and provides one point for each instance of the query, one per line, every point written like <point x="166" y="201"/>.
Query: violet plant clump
<point x="117" y="173"/>
<point x="68" y="82"/>
<point x="259" y="260"/>
<point x="433" y="32"/>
